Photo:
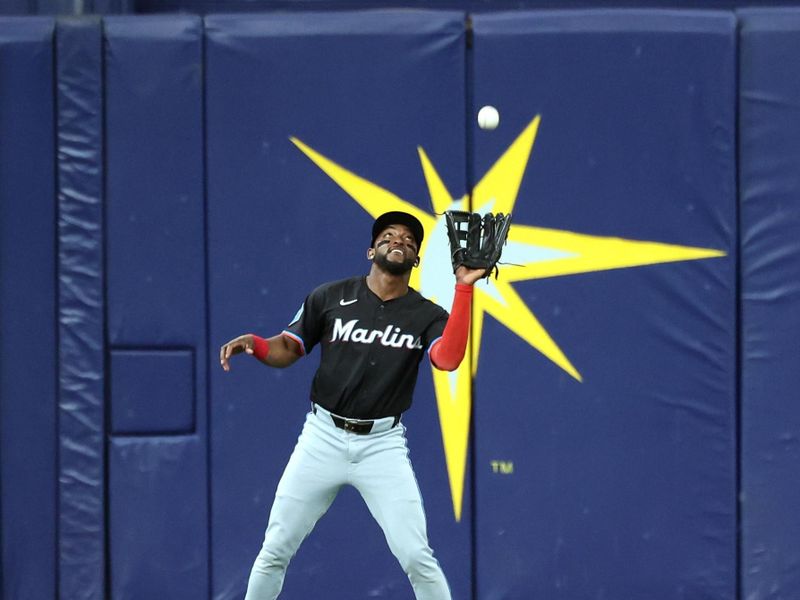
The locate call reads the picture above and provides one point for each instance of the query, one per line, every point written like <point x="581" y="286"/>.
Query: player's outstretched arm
<point x="278" y="351"/>
<point x="448" y="351"/>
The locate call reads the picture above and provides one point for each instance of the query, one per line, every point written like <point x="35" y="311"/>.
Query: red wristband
<point x="260" y="347"/>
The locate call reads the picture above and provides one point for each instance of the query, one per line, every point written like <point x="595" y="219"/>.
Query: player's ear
<point x="416" y="262"/>
<point x="370" y="253"/>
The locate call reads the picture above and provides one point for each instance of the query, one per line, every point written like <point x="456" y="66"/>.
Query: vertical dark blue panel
<point x="364" y="89"/>
<point x="81" y="339"/>
<point x="28" y="458"/>
<point x="158" y="549"/>
<point x="770" y="217"/>
<point x="155" y="181"/>
<point x="156" y="299"/>
<point x="605" y="429"/>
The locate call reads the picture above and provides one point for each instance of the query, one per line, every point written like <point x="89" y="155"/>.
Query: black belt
<point x="357" y="426"/>
<point x="360" y="427"/>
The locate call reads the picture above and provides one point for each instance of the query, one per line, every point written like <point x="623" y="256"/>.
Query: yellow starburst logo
<point x="535" y="252"/>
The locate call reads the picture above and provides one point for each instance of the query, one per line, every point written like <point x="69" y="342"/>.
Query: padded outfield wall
<point x="625" y="425"/>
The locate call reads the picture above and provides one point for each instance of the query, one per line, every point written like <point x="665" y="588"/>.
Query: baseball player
<point x="373" y="332"/>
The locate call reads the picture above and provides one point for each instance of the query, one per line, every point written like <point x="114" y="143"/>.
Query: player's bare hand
<point x="243" y="343"/>
<point x="468" y="276"/>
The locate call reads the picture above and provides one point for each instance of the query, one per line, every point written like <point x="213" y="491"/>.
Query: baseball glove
<point x="477" y="242"/>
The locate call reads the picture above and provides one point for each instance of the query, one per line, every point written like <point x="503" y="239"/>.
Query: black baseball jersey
<point x="371" y="349"/>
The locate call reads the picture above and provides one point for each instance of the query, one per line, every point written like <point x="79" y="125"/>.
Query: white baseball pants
<point x="377" y="465"/>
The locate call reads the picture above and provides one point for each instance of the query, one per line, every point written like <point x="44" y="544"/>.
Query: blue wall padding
<point x="623" y="484"/>
<point x="364" y="89"/>
<point x="81" y="339"/>
<point x="69" y="7"/>
<point x="28" y="457"/>
<point x="157" y="545"/>
<point x="156" y="305"/>
<point x="15" y="7"/>
<point x="155" y="221"/>
<point x="139" y="154"/>
<point x="770" y="221"/>
<point x="152" y="391"/>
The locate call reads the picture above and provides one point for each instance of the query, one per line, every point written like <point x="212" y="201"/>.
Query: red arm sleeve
<point x="448" y="351"/>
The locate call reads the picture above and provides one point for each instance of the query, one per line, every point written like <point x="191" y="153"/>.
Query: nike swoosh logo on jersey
<point x="344" y="302"/>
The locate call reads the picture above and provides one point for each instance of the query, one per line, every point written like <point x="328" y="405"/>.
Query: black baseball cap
<point x="397" y="217"/>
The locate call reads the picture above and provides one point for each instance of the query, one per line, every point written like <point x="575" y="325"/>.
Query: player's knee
<point x="279" y="546"/>
<point x="270" y="559"/>
<point x="419" y="562"/>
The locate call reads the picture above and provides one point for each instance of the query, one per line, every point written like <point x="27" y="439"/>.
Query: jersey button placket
<point x="379" y="324"/>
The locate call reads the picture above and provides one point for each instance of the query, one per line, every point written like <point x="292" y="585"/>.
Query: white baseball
<point x="488" y="117"/>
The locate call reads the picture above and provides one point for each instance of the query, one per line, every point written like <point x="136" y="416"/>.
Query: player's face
<point x="396" y="250"/>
